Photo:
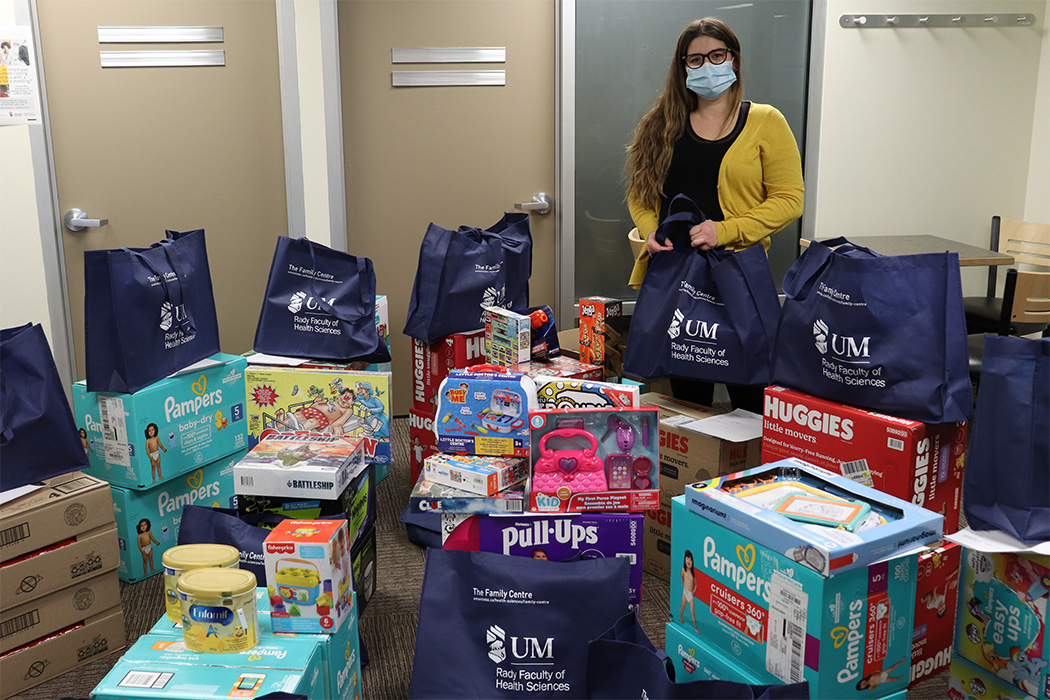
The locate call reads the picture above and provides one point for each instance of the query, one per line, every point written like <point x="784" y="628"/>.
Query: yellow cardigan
<point x="759" y="187"/>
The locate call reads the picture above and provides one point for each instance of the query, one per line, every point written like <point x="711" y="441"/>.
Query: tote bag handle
<point x="362" y="271"/>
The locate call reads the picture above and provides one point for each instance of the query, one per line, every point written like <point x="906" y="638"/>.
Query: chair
<point x="1029" y="244"/>
<point x="1025" y="304"/>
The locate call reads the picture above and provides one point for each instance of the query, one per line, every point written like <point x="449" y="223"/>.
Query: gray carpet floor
<point x="388" y="625"/>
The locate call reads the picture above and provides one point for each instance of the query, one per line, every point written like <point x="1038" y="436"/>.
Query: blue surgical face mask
<point x="710" y="81"/>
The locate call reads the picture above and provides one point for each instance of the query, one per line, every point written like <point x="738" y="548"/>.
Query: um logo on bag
<point x="842" y="346"/>
<point x="169" y="313"/>
<point x="673" y="330"/>
<point x="301" y="299"/>
<point x="820" y="336"/>
<point x="494" y="637"/>
<point x="696" y="330"/>
<point x="520" y="647"/>
<point x="493" y="297"/>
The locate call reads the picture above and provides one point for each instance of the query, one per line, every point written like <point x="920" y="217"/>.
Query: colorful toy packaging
<point x="544" y="334"/>
<point x="555" y="392"/>
<point x="1002" y="618"/>
<point x="776" y="617"/>
<point x="508" y="337"/>
<point x="919" y="462"/>
<point x="595" y="328"/>
<point x="565" y="368"/>
<point x="158" y="433"/>
<point x="968" y="681"/>
<point x="596" y="460"/>
<point x="935" y="610"/>
<point x="428" y="497"/>
<point x="308" y="466"/>
<point x="484" y="476"/>
<point x="148" y="520"/>
<point x="308" y="570"/>
<point x="341" y="403"/>
<point x="432" y="363"/>
<point x="485" y="412"/>
<point x="818" y="518"/>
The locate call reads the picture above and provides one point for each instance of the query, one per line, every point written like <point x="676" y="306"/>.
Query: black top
<point x="695" y="163"/>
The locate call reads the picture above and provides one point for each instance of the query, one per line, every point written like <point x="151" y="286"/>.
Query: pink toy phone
<point x="579" y="471"/>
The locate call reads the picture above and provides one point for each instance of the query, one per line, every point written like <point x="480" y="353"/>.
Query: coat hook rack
<point x="866" y="21"/>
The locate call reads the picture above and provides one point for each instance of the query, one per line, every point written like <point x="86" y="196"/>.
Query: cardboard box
<point x="936" y="597"/>
<point x="308" y="563"/>
<point x="158" y="433"/>
<point x="58" y="610"/>
<point x="55" y="654"/>
<point x="968" y="680"/>
<point x="569" y="340"/>
<point x="919" y="462"/>
<point x="558" y="392"/>
<point x="148" y="520"/>
<point x="484" y="476"/>
<point x="828" y="550"/>
<point x="432" y="362"/>
<point x="688" y="456"/>
<point x="422" y="441"/>
<point x="57" y="566"/>
<point x="428" y="497"/>
<point x="485" y="413"/>
<point x="601" y="333"/>
<point x="783" y="621"/>
<point x="562" y="367"/>
<point x="508" y="337"/>
<point x="656" y="542"/>
<point x="1002" y="618"/>
<point x="64" y="507"/>
<point x="697" y="660"/>
<point x="307" y="465"/>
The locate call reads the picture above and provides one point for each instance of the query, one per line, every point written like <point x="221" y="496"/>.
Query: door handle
<point x="541" y="204"/>
<point x="76" y="220"/>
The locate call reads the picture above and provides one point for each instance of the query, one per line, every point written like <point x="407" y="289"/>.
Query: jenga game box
<point x="432" y="362"/>
<point x="602" y="333"/>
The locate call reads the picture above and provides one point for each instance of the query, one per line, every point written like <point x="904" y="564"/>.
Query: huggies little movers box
<point x="847" y="634"/>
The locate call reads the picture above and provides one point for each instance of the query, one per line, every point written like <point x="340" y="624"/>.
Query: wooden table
<point x="969" y="255"/>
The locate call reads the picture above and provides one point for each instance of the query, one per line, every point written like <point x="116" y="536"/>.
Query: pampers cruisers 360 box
<point x="182" y="422"/>
<point x="849" y="635"/>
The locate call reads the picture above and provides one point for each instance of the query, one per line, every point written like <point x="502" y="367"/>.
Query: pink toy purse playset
<point x="572" y="469"/>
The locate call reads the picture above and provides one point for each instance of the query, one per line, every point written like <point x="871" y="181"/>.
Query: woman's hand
<point x="704" y="236"/>
<point x="653" y="246"/>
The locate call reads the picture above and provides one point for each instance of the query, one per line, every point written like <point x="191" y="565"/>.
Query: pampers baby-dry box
<point x="849" y="635"/>
<point x="182" y="422"/>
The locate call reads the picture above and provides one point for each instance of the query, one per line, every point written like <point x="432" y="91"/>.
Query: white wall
<point x="1037" y="202"/>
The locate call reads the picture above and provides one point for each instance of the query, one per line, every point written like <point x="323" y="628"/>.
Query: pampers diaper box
<point x="148" y="520"/>
<point x="185" y="421"/>
<point x="335" y="402"/>
<point x="847" y="634"/>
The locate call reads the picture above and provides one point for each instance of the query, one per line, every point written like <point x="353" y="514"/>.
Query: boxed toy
<point x="306" y="465"/>
<point x="148" y="520"/>
<point x="783" y="621"/>
<point x="596" y="345"/>
<point x="936" y="595"/>
<point x="968" y="681"/>
<point x="478" y="474"/>
<point x="485" y="412"/>
<point x="422" y="441"/>
<point x="341" y="403"/>
<point x="432" y="363"/>
<point x="689" y="454"/>
<point x="189" y="419"/>
<point x="557" y="392"/>
<point x="308" y="564"/>
<point x="918" y="462"/>
<point x="543" y="333"/>
<point x="508" y="337"/>
<point x="64" y="506"/>
<point x="1002" y="617"/>
<point x="428" y="497"/>
<point x="595" y="460"/>
<point x="818" y="518"/>
<point x="564" y="368"/>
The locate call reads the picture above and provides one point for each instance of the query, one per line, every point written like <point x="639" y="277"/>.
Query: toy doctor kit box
<point x="308" y="569"/>
<point x="148" y="520"/>
<point x="847" y="635"/>
<point x="822" y="520"/>
<point x="936" y="595"/>
<point x="485" y="412"/>
<point x="1001" y="623"/>
<point x="919" y="462"/>
<point x="337" y="402"/>
<point x="299" y="465"/>
<point x="187" y="420"/>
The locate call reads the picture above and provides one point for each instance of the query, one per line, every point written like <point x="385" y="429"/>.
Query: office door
<point x="458" y="155"/>
<point x="155" y="148"/>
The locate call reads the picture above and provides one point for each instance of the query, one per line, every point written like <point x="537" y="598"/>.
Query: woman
<point x="736" y="159"/>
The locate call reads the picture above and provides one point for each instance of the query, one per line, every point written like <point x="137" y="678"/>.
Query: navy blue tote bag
<point x="493" y="626"/>
<point x="623" y="663"/>
<point x="703" y="315"/>
<point x="38" y="438"/>
<point x="884" y="333"/>
<point x="149" y="312"/>
<point x="320" y="303"/>
<point x="461" y="272"/>
<point x="1006" y="485"/>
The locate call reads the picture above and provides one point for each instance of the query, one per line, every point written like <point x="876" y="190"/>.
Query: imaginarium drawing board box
<point x="821" y="519"/>
<point x="336" y="402"/>
<point x="848" y="634"/>
<point x="148" y="520"/>
<point x="485" y="411"/>
<point x="182" y="422"/>
<point x="1001" y="623"/>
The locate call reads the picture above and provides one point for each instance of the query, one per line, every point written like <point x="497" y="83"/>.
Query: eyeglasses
<point x="716" y="57"/>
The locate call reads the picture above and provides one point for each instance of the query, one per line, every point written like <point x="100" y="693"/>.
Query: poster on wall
<point x="19" y="88"/>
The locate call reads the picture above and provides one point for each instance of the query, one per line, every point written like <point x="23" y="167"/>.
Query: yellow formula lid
<point x="219" y="583"/>
<point x="196" y="556"/>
